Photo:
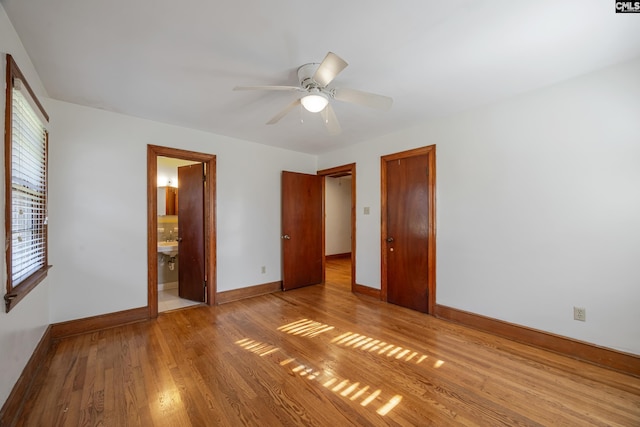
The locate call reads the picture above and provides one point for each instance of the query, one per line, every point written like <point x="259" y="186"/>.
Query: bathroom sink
<point x="168" y="248"/>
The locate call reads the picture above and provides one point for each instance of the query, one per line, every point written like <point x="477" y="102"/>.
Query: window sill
<point x="12" y="298"/>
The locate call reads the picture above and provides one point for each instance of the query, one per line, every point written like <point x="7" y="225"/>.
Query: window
<point x="25" y="150"/>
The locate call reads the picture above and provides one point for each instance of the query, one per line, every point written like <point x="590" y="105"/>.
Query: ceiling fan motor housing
<point x="305" y="76"/>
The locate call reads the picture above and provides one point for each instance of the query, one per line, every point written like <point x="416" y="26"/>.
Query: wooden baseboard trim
<point x="602" y="356"/>
<point x="98" y="323"/>
<point x="252" y="291"/>
<point x="13" y="406"/>
<point x="366" y="290"/>
<point x="338" y="256"/>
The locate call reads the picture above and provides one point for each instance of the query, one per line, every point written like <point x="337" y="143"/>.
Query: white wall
<point x="22" y="328"/>
<point x="337" y="215"/>
<point x="538" y="207"/>
<point x="98" y="216"/>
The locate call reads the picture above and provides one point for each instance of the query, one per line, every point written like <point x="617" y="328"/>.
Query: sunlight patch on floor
<point x="259" y="348"/>
<point x="343" y="387"/>
<point x="311" y="328"/>
<point x="392" y="403"/>
<point x="374" y="346"/>
<point x="305" y="328"/>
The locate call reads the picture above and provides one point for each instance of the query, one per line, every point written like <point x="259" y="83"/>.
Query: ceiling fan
<point x="313" y="80"/>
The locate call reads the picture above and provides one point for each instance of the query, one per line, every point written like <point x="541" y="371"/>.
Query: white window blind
<point x="28" y="188"/>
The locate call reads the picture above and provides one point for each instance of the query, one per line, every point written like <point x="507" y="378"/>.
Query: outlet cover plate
<point x="580" y="313"/>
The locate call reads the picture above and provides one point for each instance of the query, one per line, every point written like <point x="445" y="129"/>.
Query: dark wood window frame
<point x="16" y="292"/>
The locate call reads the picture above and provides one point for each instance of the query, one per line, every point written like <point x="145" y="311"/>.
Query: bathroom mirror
<point x="167" y="201"/>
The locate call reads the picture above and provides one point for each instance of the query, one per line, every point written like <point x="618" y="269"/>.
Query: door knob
<point x="179" y="239"/>
<point x="286" y="237"/>
<point x="390" y="239"/>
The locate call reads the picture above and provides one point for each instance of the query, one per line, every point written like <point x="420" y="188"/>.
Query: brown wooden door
<point x="191" y="252"/>
<point x="301" y="230"/>
<point x="406" y="240"/>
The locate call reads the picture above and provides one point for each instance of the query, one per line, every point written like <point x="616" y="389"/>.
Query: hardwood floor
<point x="338" y="273"/>
<point x="318" y="356"/>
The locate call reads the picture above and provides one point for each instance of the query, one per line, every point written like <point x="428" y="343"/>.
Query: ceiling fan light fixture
<point x="314" y="102"/>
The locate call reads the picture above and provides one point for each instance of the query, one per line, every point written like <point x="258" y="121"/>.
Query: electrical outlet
<point x="580" y="313"/>
<point x="263" y="269"/>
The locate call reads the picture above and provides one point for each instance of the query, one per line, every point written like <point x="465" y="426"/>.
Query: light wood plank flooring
<point x="318" y="356"/>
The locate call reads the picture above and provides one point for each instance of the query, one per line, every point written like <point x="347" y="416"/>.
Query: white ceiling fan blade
<point x="275" y="119"/>
<point x="330" y="120"/>
<point x="285" y="88"/>
<point x="329" y="68"/>
<point x="362" y="98"/>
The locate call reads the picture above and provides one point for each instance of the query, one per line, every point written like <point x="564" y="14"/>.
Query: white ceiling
<point x="177" y="61"/>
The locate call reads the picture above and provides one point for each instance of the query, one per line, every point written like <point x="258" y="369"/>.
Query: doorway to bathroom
<point x="181" y="228"/>
<point x="180" y="233"/>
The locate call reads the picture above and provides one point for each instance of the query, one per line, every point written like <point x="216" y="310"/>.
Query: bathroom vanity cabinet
<point x="167" y="201"/>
